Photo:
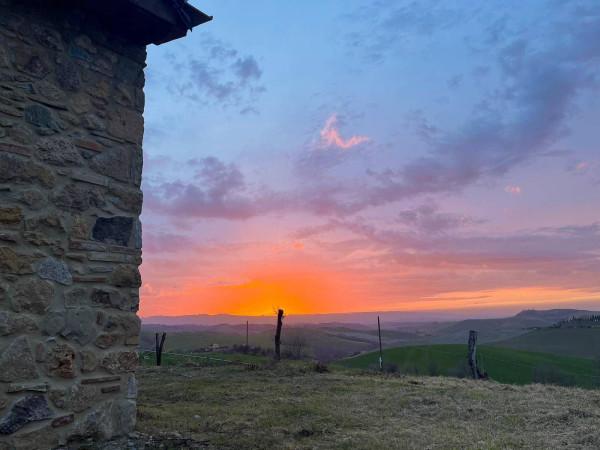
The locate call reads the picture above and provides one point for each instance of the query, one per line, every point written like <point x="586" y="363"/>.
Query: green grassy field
<point x="502" y="364"/>
<point x="580" y="342"/>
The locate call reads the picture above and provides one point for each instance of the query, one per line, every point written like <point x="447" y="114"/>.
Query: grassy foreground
<point x="290" y="406"/>
<point x="504" y="365"/>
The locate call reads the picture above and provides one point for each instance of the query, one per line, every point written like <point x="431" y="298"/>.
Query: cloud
<point x="390" y="23"/>
<point x="216" y="74"/>
<point x="427" y="218"/>
<point x="422" y="127"/>
<point x="331" y="137"/>
<point x="513" y="190"/>
<point x="543" y="73"/>
<point x="329" y="150"/>
<point x="564" y="257"/>
<point x="218" y="190"/>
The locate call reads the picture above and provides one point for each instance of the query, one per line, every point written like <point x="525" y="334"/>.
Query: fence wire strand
<point x="191" y="355"/>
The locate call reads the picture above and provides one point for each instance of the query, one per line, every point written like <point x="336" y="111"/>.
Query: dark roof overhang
<point x="145" y="21"/>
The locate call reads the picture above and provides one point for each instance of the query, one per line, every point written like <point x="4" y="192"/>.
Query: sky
<point x="377" y="155"/>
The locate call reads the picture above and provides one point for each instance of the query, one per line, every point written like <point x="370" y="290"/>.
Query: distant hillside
<point x="333" y="340"/>
<point x="360" y="318"/>
<point x="581" y="342"/>
<point x="492" y="330"/>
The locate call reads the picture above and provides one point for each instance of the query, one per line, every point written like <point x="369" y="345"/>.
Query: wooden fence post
<point x="278" y="334"/>
<point x="159" y="348"/>
<point x="380" y="348"/>
<point x="247" y="335"/>
<point x="473" y="354"/>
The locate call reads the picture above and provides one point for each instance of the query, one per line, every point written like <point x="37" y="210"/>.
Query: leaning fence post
<point x="159" y="348"/>
<point x="278" y="334"/>
<point x="473" y="354"/>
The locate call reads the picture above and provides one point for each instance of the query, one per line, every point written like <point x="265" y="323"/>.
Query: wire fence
<point x="542" y="371"/>
<point x="194" y="356"/>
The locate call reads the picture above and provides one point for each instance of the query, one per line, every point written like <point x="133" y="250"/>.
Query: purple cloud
<point x="217" y="73"/>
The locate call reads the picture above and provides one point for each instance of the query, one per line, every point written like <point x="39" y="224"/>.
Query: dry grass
<point x="293" y="407"/>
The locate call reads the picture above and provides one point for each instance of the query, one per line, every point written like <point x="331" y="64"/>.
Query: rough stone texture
<point x="16" y="323"/>
<point x="75" y="297"/>
<point x="76" y="398"/>
<point x="32" y="296"/>
<point x="29" y="409"/>
<point x="120" y="362"/>
<point x="53" y="323"/>
<point x="71" y="103"/>
<point x="60" y="361"/>
<point x="89" y="361"/>
<point x="127" y="276"/>
<point x="108" y="299"/>
<point x="17" y="362"/>
<point x="132" y="387"/>
<point x="27" y="387"/>
<point x="59" y="152"/>
<point x="14" y="263"/>
<point x="55" y="270"/>
<point x="111" y="418"/>
<point x="10" y="216"/>
<point x="14" y="169"/>
<point x="80" y="325"/>
<point x="42" y="439"/>
<point x="112" y="230"/>
<point x="63" y="420"/>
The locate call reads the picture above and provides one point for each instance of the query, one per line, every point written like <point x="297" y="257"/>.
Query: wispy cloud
<point x="331" y="136"/>
<point x="392" y="23"/>
<point x="218" y="190"/>
<point x="513" y="190"/>
<point x="217" y="73"/>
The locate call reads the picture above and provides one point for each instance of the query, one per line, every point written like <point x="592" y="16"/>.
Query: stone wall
<point x="71" y="126"/>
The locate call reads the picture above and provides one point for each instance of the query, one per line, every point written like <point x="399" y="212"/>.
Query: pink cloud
<point x="514" y="190"/>
<point x="330" y="136"/>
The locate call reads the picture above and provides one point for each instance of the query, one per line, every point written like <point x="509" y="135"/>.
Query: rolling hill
<point x="334" y="340"/>
<point x="579" y="342"/>
<point x="492" y="330"/>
